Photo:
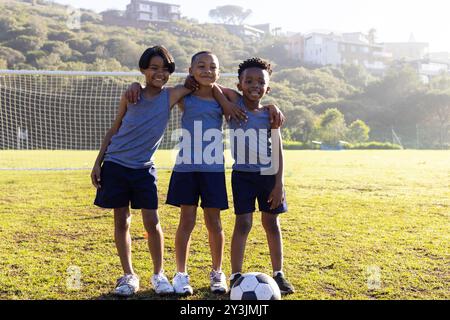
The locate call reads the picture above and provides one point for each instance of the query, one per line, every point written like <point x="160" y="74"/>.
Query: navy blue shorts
<point x="122" y="185"/>
<point x="249" y="186"/>
<point x="186" y="188"/>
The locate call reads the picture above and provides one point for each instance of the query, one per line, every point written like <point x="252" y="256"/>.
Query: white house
<point x="347" y="48"/>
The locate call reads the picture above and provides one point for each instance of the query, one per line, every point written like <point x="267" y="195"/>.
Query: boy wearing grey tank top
<point x="251" y="179"/>
<point x="124" y="172"/>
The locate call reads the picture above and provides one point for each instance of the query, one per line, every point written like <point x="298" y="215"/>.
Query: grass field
<point x="351" y="213"/>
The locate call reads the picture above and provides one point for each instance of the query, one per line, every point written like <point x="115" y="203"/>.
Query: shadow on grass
<point x="199" y="294"/>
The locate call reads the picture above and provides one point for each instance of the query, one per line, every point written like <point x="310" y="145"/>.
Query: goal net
<point x="56" y="120"/>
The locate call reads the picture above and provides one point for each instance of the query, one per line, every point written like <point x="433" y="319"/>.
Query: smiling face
<point x="205" y="69"/>
<point x="157" y="74"/>
<point x="254" y="83"/>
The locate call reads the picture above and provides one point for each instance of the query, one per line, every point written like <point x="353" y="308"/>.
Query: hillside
<point x="41" y="36"/>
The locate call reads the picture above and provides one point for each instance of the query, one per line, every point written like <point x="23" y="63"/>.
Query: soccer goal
<point x="56" y="120"/>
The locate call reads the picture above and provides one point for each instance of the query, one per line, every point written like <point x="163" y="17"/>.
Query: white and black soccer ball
<point x="255" y="286"/>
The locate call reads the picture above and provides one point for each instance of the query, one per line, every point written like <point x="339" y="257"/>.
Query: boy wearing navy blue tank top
<point x="257" y="171"/>
<point x="124" y="171"/>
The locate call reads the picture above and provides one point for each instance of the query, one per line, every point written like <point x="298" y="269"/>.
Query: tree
<point x="437" y="107"/>
<point x="125" y="51"/>
<point x="105" y="65"/>
<point x="3" y="64"/>
<point x="7" y="25"/>
<point x="230" y="14"/>
<point x="358" y="131"/>
<point x="82" y="45"/>
<point x="332" y="128"/>
<point x="11" y="56"/>
<point x="49" y="62"/>
<point x="63" y="35"/>
<point x="25" y="44"/>
<point x="300" y="121"/>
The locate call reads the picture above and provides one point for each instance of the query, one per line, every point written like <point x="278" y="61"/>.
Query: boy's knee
<point x="151" y="221"/>
<point x="187" y="224"/>
<point x="243" y="227"/>
<point x="271" y="226"/>
<point x="214" y="227"/>
<point x="123" y="224"/>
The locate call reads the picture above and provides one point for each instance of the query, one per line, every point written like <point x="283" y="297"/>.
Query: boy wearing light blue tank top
<point x="257" y="171"/>
<point x="195" y="178"/>
<point x="124" y="171"/>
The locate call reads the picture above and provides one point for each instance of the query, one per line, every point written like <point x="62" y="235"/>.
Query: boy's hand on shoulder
<point x="133" y="92"/>
<point x="95" y="176"/>
<point x="191" y="84"/>
<point x="232" y="111"/>
<point x="277" y="118"/>
<point x="276" y="197"/>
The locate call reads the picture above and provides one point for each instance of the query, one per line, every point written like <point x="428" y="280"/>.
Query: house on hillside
<point x="409" y="51"/>
<point x="347" y="48"/>
<point x="139" y="13"/>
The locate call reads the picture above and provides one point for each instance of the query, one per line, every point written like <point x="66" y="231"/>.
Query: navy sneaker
<point x="283" y="284"/>
<point x="234" y="277"/>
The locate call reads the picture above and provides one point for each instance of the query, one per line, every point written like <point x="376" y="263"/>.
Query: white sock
<point x="275" y="273"/>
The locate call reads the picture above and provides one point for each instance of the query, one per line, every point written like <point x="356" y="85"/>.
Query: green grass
<point x="348" y="211"/>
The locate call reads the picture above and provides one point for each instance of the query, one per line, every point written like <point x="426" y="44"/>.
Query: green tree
<point x="81" y="45"/>
<point x="64" y="35"/>
<point x="32" y="56"/>
<point x="49" y="62"/>
<point x="332" y="127"/>
<point x="125" y="51"/>
<point x="7" y="25"/>
<point x="301" y="123"/>
<point x="230" y="14"/>
<point x="25" y="43"/>
<point x="358" y="131"/>
<point x="105" y="65"/>
<point x="437" y="107"/>
<point x="11" y="56"/>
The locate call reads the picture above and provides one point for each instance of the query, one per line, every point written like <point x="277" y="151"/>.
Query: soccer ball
<point x="255" y="286"/>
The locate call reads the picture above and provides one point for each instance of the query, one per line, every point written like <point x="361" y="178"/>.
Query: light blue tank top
<point x="141" y="132"/>
<point x="251" y="141"/>
<point x="201" y="142"/>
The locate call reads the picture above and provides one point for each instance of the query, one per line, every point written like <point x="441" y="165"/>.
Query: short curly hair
<point x="254" y="63"/>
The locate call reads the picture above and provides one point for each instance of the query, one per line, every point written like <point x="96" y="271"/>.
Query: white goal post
<point x="64" y="111"/>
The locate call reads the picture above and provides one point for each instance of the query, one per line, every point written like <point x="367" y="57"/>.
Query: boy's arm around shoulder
<point x="178" y="92"/>
<point x="95" y="174"/>
<point x="228" y="100"/>
<point x="276" y="117"/>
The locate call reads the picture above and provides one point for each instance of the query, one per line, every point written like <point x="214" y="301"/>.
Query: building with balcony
<point x="150" y="11"/>
<point x="139" y="13"/>
<point x="347" y="48"/>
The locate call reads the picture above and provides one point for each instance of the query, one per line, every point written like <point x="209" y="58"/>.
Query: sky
<point x="394" y="20"/>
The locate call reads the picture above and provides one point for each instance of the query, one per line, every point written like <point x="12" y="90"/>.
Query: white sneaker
<point x="127" y="285"/>
<point x="181" y="284"/>
<point x="218" y="282"/>
<point x="161" y="284"/>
